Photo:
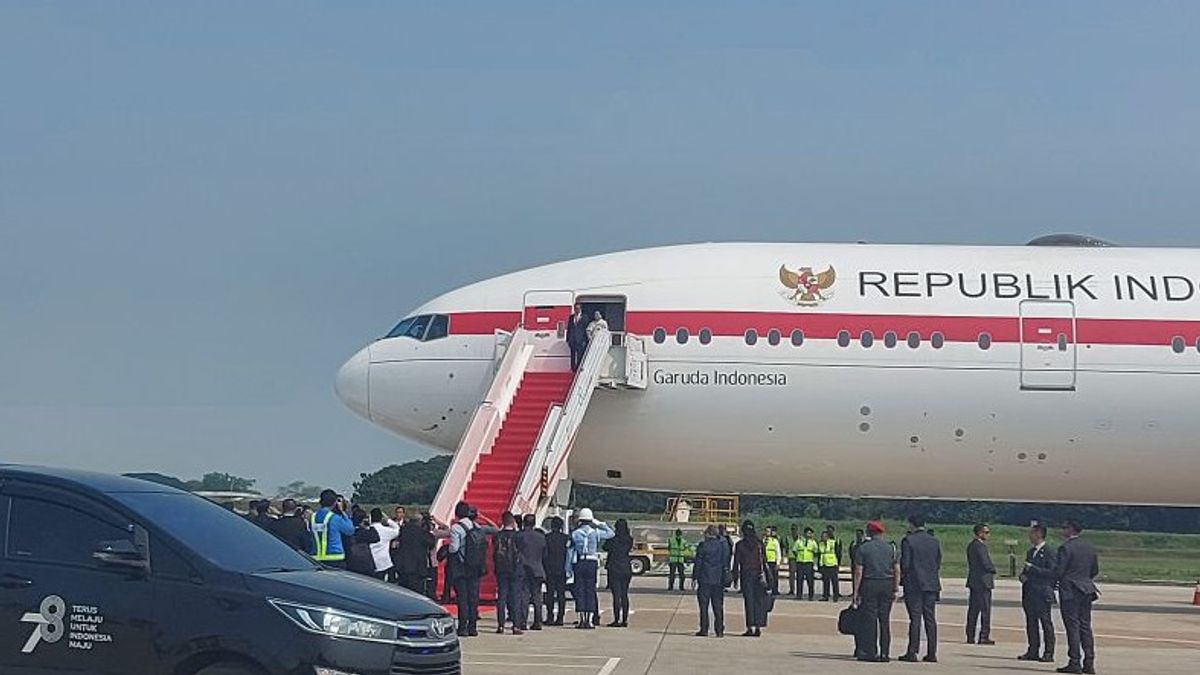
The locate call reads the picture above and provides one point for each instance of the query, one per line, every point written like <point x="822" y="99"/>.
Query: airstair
<point x="514" y="453"/>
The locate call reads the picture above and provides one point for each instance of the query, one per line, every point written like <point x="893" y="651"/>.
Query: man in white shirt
<point x="381" y="550"/>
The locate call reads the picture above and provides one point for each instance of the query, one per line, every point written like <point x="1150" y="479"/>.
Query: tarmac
<point x="1139" y="629"/>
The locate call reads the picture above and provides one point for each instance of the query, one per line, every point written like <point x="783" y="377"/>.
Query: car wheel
<point x="228" y="668"/>
<point x="639" y="565"/>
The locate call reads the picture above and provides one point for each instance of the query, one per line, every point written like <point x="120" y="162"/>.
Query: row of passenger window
<point x="867" y="339"/>
<point x="774" y="337"/>
<point x="1179" y="344"/>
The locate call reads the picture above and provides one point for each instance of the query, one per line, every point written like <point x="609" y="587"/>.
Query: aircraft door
<point x="547" y="311"/>
<point x="1048" y="357"/>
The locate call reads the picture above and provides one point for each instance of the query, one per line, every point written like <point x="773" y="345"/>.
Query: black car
<point x="105" y="574"/>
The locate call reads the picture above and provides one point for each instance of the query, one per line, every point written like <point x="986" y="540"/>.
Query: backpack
<point x="475" y="552"/>
<point x="506" y="555"/>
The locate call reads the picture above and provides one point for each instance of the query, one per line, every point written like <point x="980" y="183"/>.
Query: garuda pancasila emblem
<point x="805" y="287"/>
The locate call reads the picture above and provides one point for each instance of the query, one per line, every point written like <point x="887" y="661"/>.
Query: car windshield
<point x="218" y="535"/>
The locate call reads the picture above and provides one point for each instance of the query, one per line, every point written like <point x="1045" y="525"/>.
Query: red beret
<point x="876" y="526"/>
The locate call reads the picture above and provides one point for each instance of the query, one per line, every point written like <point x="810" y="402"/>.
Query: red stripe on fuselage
<point x="483" y="323"/>
<point x="827" y="325"/>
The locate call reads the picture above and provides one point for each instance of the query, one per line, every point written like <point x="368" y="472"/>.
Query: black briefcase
<point x="850" y="620"/>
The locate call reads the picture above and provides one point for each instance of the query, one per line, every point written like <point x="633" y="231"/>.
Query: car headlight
<point x="337" y="623"/>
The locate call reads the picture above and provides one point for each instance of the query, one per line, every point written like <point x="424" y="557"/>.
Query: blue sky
<point x="205" y="209"/>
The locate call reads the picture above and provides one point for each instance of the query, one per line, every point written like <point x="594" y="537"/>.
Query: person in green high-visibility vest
<point x="804" y="552"/>
<point x="773" y="553"/>
<point x="827" y="560"/>
<point x="677" y="548"/>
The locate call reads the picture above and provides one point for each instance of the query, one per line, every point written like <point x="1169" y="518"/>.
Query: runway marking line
<point x="528" y="664"/>
<point x="610" y="662"/>
<point x="941" y="624"/>
<point x="542" y="656"/>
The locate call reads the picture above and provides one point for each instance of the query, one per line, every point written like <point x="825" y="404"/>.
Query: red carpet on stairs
<point x="494" y="482"/>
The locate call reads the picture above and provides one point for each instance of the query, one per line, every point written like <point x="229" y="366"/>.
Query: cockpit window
<point x="424" y="327"/>
<point x="417" y="329"/>
<point x="401" y="328"/>
<point x="438" y="328"/>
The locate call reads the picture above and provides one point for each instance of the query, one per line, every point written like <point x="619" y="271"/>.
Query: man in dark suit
<point x="1037" y="597"/>
<point x="1076" y="570"/>
<point x="531" y="542"/>
<point x="554" y="564"/>
<point x="981" y="578"/>
<point x="577" y="338"/>
<point x="920" y="574"/>
<point x="291" y="527"/>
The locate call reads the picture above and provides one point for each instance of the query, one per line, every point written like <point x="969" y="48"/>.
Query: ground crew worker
<point x="774" y="554"/>
<point x="804" y="553"/>
<point x="676" y="553"/>
<point x="837" y="548"/>
<point x="827" y="560"/>
<point x="328" y="525"/>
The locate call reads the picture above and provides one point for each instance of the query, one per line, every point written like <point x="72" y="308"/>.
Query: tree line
<point x="416" y="483"/>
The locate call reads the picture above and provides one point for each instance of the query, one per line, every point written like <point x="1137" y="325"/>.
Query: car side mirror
<point x="121" y="553"/>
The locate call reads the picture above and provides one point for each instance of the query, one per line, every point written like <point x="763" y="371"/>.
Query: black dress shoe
<point x="1089" y="670"/>
<point x="1049" y="658"/>
<point x="909" y="658"/>
<point x="1069" y="668"/>
<point x="986" y="641"/>
<point x="749" y="633"/>
<point x="882" y="659"/>
<point x="866" y="659"/>
<point x="1028" y="657"/>
<point x="930" y="659"/>
<point x="701" y="633"/>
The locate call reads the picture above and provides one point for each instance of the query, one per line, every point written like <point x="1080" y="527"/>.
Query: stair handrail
<point x="561" y="424"/>
<point x="525" y="499"/>
<point x="484" y="427"/>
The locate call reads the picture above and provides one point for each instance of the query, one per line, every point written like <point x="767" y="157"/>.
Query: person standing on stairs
<point x="577" y="336"/>
<point x="586" y="541"/>
<point x="620" y="572"/>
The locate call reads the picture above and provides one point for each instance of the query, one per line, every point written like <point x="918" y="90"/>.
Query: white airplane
<point x="1062" y="372"/>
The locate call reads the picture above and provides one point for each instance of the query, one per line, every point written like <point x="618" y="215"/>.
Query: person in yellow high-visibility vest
<point x="773" y="553"/>
<point x="328" y="525"/>
<point x="827" y="560"/>
<point x="804" y="553"/>
<point x="677" y="549"/>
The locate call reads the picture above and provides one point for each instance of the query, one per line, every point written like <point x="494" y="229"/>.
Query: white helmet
<point x="584" y="514"/>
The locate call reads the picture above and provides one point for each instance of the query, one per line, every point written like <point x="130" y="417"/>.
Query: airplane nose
<point x="351" y="383"/>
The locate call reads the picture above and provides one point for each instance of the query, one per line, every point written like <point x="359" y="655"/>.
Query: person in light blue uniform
<point x="586" y="544"/>
<point x="328" y="525"/>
